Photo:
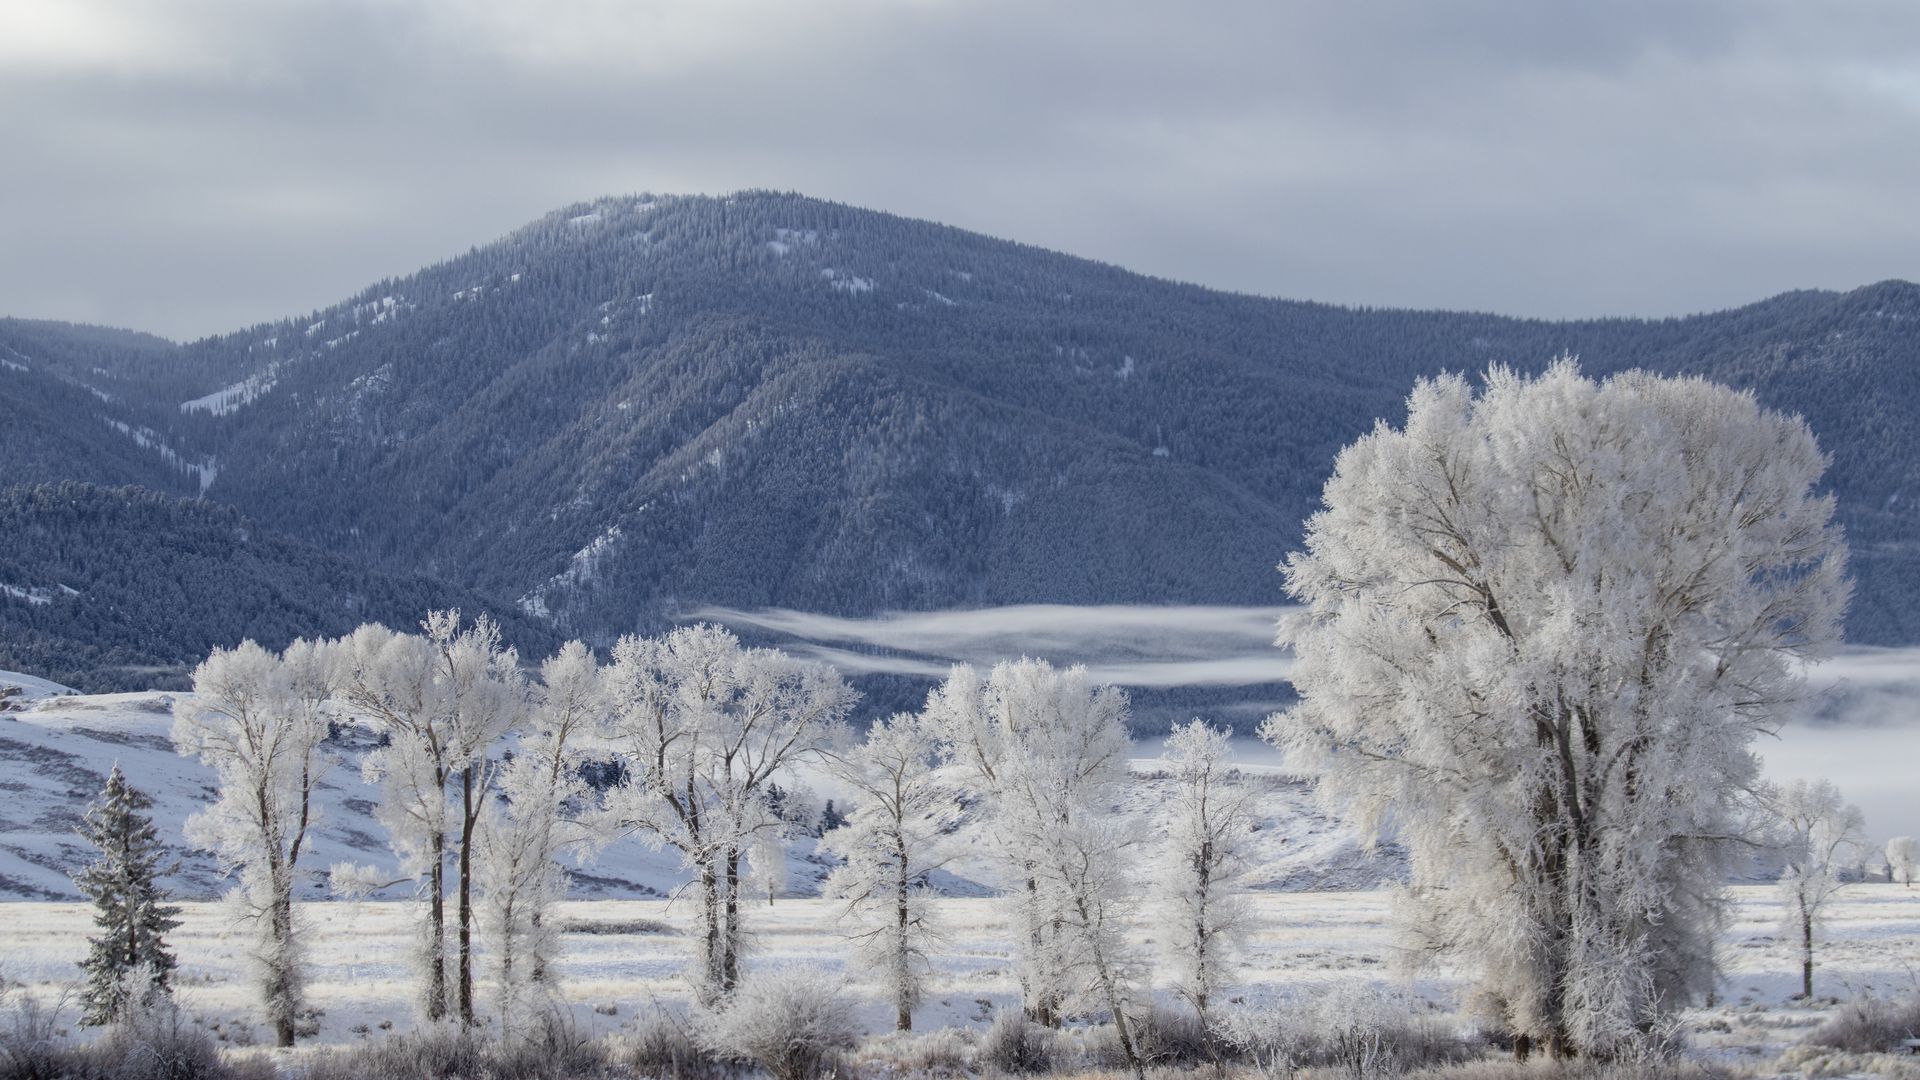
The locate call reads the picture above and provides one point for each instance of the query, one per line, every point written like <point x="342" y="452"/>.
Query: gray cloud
<point x="190" y="166"/>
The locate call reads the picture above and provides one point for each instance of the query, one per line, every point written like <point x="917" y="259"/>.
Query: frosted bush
<point x="786" y="1022"/>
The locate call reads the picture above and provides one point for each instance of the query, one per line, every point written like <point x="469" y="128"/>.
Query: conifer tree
<point x="130" y="907"/>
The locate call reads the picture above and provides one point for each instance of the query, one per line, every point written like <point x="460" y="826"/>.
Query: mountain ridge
<point x="643" y="404"/>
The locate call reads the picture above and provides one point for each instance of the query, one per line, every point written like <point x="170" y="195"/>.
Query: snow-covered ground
<point x="623" y="958"/>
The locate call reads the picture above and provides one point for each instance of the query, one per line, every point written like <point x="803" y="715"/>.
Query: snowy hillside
<point x="55" y="755"/>
<point x="56" y="748"/>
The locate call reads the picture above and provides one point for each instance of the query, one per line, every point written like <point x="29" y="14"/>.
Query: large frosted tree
<point x="1543" y="625"/>
<point x="1202" y="861"/>
<point x="259" y="721"/>
<point x="896" y="835"/>
<point x="704" y="728"/>
<point x="444" y="699"/>
<point x="1046" y="750"/>
<point x="527" y="830"/>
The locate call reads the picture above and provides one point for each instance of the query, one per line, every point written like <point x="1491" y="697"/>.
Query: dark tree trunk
<point x="437" y="932"/>
<point x="730" y="942"/>
<point x="466" y="896"/>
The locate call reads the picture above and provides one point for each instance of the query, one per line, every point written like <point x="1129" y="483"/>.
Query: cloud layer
<point x="190" y="166"/>
<point x="1130" y="645"/>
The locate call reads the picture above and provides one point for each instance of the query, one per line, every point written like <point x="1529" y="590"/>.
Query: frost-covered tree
<point x="128" y="960"/>
<point x="523" y="837"/>
<point x="1047" y="751"/>
<point x="1819" y="835"/>
<point x="1543" y="625"/>
<point x="1201" y="864"/>
<point x="444" y="699"/>
<point x="258" y="720"/>
<point x="704" y="727"/>
<point x="892" y="840"/>
<point x="1903" y="854"/>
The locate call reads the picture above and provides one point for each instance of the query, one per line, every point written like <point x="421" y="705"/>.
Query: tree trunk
<point x="1038" y="1003"/>
<point x="280" y="978"/>
<point x="730" y="942"/>
<point x="466" y="896"/>
<point x="902" y="1005"/>
<point x="437" y="932"/>
<point x="1806" y="954"/>
<point x="710" y="913"/>
<point x="1112" y="990"/>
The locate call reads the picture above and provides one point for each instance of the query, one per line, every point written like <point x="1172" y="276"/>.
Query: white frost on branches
<point x="259" y="721"/>
<point x="1543" y="626"/>
<point x="1200" y="867"/>
<point x="444" y="699"/>
<point x="1903" y="855"/>
<point x="523" y="836"/>
<point x="704" y="728"/>
<point x="1048" y="752"/>
<point x="896" y="836"/>
<point x="1819" y="836"/>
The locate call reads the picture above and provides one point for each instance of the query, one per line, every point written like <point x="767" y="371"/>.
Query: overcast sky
<point x="191" y="166"/>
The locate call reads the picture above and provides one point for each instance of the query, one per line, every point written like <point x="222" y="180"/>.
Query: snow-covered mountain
<point x="56" y="748"/>
<point x="642" y="405"/>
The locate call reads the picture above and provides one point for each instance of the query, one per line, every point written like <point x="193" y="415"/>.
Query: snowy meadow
<point x="624" y="960"/>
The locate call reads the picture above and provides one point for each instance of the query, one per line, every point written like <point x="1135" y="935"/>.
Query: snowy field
<point x="623" y="958"/>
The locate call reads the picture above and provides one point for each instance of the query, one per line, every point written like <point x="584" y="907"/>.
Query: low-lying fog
<point x="1861" y="730"/>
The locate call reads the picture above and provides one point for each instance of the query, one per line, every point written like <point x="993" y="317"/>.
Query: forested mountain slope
<point x="644" y="404"/>
<point x="121" y="588"/>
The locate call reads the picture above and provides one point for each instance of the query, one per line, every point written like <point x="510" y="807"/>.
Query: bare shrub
<point x="1357" y="1032"/>
<point x="1869" y="1025"/>
<point x="1015" y="1045"/>
<point x="1165" y="1036"/>
<point x="943" y="1053"/>
<point x="556" y="1051"/>
<point x="1574" y="1070"/>
<point x="662" y="1044"/>
<point x="786" y="1022"/>
<point x="154" y="1040"/>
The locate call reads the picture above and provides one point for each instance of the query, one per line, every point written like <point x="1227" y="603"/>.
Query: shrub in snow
<point x="1869" y="1025"/>
<point x="1014" y="1044"/>
<point x="447" y="1052"/>
<point x="1172" y="1037"/>
<point x="1544" y="624"/>
<point x="154" y="1040"/>
<point x="1579" y="1070"/>
<point x="662" y="1043"/>
<point x="939" y="1054"/>
<point x="1360" y="1031"/>
<point x="31" y="1045"/>
<point x="787" y="1022"/>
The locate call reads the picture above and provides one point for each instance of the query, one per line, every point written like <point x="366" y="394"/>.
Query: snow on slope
<point x="230" y="398"/>
<point x="56" y="752"/>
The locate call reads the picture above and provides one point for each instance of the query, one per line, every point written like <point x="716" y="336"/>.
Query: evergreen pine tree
<point x="130" y="907"/>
